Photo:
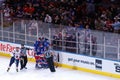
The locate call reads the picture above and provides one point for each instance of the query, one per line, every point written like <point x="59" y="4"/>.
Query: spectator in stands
<point x="31" y="11"/>
<point x="87" y="39"/>
<point x="33" y="27"/>
<point x="81" y="26"/>
<point x="26" y="11"/>
<point x="12" y="13"/>
<point x="19" y="12"/>
<point x="48" y="18"/>
<point x="98" y="24"/>
<point x="94" y="45"/>
<point x="108" y="27"/>
<point x="90" y="8"/>
<point x="116" y="25"/>
<point x="64" y="12"/>
<point x="7" y="12"/>
<point x="36" y="5"/>
<point x="56" y="19"/>
<point x="42" y="16"/>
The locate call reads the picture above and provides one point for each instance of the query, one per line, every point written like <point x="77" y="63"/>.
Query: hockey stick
<point x="57" y="64"/>
<point x="56" y="59"/>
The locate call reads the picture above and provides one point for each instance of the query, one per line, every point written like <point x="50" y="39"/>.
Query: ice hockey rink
<point x="44" y="74"/>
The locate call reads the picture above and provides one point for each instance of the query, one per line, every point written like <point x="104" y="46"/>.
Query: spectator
<point x="98" y="24"/>
<point x="7" y="12"/>
<point x="94" y="45"/>
<point x="48" y="18"/>
<point x="116" y="25"/>
<point x="87" y="39"/>
<point x="31" y="11"/>
<point x="33" y="27"/>
<point x="56" y="19"/>
<point x="19" y="12"/>
<point x="108" y="27"/>
<point x="63" y="12"/>
<point x="26" y="11"/>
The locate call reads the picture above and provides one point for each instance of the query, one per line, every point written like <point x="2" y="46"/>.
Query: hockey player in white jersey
<point x="15" y="56"/>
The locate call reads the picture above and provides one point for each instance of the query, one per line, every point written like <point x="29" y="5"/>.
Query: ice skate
<point x="25" y="67"/>
<point x="16" y="70"/>
<point x="8" y="69"/>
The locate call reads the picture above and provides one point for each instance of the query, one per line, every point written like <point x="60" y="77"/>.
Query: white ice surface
<point x="44" y="74"/>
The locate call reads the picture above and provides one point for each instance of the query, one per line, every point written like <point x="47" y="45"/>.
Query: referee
<point x="23" y="57"/>
<point x="49" y="57"/>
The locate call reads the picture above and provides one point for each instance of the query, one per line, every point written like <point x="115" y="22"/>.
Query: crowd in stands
<point x="102" y="15"/>
<point x="97" y="14"/>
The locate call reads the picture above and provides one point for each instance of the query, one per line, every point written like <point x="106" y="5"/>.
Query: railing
<point x="79" y="41"/>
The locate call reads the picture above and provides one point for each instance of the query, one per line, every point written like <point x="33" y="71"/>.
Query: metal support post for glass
<point x="8" y="36"/>
<point x="25" y="34"/>
<point x="13" y="32"/>
<point x="50" y="37"/>
<point x="63" y="46"/>
<point x="118" y="55"/>
<point x="77" y="47"/>
<point x="90" y="44"/>
<point x="2" y="24"/>
<point x="37" y="32"/>
<point x="22" y="25"/>
<point x="104" y="50"/>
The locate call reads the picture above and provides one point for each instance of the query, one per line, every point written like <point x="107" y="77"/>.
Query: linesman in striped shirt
<point x="49" y="57"/>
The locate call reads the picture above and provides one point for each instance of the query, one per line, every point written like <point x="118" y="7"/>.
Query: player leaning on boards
<point x="15" y="58"/>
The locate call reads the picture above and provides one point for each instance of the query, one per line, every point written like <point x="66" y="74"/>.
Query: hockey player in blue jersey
<point x="40" y="45"/>
<point x="15" y="58"/>
<point x="46" y="43"/>
<point x="39" y="54"/>
<point x="40" y="49"/>
<point x="36" y="45"/>
<point x="41" y="62"/>
<point x="44" y="63"/>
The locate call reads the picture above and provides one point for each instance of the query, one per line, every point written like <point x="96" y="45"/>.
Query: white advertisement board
<point x="7" y="48"/>
<point x="111" y="66"/>
<point x="90" y="62"/>
<point x="77" y="60"/>
<point x="72" y="59"/>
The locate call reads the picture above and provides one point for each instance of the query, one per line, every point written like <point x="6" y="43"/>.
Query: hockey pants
<point x="23" y="61"/>
<point x="12" y="60"/>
